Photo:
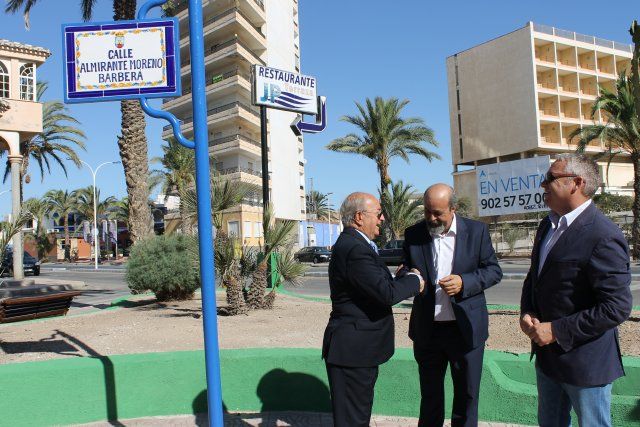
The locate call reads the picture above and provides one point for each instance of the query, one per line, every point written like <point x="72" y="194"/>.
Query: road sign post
<point x="140" y="59"/>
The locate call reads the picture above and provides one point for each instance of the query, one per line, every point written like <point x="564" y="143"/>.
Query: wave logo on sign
<point x="272" y="93"/>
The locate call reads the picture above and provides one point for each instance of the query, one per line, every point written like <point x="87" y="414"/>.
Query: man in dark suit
<point x="574" y="297"/>
<point x="449" y="320"/>
<point x="360" y="333"/>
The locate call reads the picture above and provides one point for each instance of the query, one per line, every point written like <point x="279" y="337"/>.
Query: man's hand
<point x="400" y="271"/>
<point x="541" y="333"/>
<point x="417" y="272"/>
<point x="451" y="284"/>
<point x="526" y="322"/>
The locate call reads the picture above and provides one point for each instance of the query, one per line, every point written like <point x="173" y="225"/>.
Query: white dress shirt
<point x="558" y="226"/>
<point x="443" y="248"/>
<point x="369" y="241"/>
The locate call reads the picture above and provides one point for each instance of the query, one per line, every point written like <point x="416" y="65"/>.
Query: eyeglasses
<point x="377" y="213"/>
<point x="549" y="177"/>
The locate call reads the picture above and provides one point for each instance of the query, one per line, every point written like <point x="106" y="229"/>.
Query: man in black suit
<point x="449" y="321"/>
<point x="574" y="297"/>
<point x="360" y="333"/>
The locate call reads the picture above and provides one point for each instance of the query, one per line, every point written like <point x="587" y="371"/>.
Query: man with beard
<point x="449" y="320"/>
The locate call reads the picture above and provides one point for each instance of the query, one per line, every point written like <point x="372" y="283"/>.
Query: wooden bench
<point x="14" y="309"/>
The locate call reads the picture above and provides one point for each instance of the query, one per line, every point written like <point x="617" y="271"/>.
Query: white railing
<point x="572" y="35"/>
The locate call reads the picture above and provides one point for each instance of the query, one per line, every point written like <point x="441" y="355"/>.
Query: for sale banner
<point x="512" y="187"/>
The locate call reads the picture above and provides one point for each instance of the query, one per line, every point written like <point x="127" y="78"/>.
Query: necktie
<point x="374" y="247"/>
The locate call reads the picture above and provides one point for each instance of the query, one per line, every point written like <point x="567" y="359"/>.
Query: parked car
<point x="29" y="264"/>
<point x="392" y="253"/>
<point x="314" y="254"/>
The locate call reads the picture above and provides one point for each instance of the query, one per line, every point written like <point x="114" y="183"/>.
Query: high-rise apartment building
<point x="238" y="34"/>
<point x="522" y="94"/>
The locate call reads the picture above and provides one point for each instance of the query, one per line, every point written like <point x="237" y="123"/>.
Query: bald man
<point x="449" y="320"/>
<point x="360" y="333"/>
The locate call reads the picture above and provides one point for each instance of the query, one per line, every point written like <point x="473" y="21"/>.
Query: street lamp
<point x="95" y="208"/>
<point x="329" y="204"/>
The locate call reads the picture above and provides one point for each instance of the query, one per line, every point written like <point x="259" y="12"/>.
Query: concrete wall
<point x="466" y="186"/>
<point x="497" y="98"/>
<point x="83" y="390"/>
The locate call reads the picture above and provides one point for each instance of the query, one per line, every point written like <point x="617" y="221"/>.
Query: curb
<point x="105" y="269"/>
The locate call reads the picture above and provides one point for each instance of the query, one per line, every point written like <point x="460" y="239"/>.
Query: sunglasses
<point x="549" y="177"/>
<point x="377" y="213"/>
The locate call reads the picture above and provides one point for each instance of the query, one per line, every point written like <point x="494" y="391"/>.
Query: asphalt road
<point x="102" y="286"/>
<point x="108" y="284"/>
<point x="506" y="292"/>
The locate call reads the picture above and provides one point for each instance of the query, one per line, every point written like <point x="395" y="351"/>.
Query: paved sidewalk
<point x="269" y="419"/>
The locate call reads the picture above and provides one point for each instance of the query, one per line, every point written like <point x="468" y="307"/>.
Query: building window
<point x="4" y="81"/>
<point x="247" y="229"/>
<point x="257" y="229"/>
<point x="233" y="228"/>
<point x="27" y="82"/>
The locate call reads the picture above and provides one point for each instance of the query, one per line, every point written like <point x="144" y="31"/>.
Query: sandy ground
<point x="145" y="326"/>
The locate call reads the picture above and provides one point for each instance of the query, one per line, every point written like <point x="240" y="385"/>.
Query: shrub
<point x="165" y="266"/>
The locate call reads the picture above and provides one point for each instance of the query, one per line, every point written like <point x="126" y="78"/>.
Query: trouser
<point x="446" y="347"/>
<point x="351" y="394"/>
<point x="555" y="400"/>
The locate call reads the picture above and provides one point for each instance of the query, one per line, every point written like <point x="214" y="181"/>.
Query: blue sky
<point x="356" y="49"/>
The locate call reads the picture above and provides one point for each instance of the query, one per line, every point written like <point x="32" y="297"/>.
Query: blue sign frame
<point x="172" y="56"/>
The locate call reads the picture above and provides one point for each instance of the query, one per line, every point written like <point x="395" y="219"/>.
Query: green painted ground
<point x="80" y="390"/>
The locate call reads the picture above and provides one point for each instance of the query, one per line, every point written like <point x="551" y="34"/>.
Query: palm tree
<point x="179" y="164"/>
<point x="62" y="204"/>
<point x="277" y="234"/>
<point x="386" y="135"/>
<point x="55" y="143"/>
<point x="225" y="194"/>
<point x="179" y="173"/>
<point x="119" y="210"/>
<point x="39" y="210"/>
<point x="84" y="203"/>
<point x="132" y="142"/>
<point x="8" y="229"/>
<point x="402" y="210"/>
<point x="317" y="203"/>
<point x="621" y="134"/>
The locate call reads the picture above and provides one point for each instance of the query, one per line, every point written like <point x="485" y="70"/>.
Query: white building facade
<point x="238" y="34"/>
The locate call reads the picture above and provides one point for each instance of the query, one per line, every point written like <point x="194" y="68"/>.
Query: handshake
<point x="402" y="271"/>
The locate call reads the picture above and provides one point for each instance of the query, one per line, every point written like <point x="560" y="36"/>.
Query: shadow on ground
<point x="279" y="391"/>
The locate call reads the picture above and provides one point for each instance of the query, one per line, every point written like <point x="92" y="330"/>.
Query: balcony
<point x="235" y="109"/>
<point x="548" y="112"/>
<point x="247" y="175"/>
<point x="231" y="21"/>
<point x="549" y="140"/>
<point x="228" y="144"/>
<point x="231" y="47"/>
<point x="217" y="81"/>
<point x="570" y="35"/>
<point x="22" y="116"/>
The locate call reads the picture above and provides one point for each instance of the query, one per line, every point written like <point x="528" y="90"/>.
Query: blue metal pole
<point x="205" y="235"/>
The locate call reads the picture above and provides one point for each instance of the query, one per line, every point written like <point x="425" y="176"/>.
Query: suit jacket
<point x="474" y="260"/>
<point x="360" y="332"/>
<point x="583" y="290"/>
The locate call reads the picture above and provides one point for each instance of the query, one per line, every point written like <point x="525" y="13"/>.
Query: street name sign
<point x="121" y="60"/>
<point x="284" y="90"/>
<point x="512" y="187"/>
